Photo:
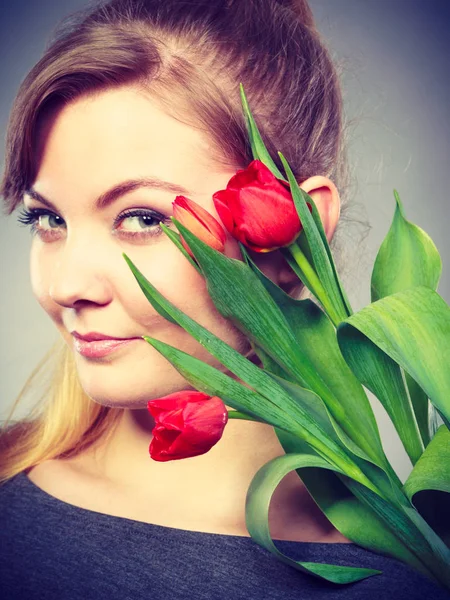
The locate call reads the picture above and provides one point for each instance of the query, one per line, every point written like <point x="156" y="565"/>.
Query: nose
<point x="80" y="276"/>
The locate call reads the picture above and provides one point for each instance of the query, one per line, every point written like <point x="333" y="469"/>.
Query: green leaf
<point x="421" y="407"/>
<point x="317" y="338"/>
<point x="229" y="281"/>
<point x="406" y="524"/>
<point x="257" y="508"/>
<point x="302" y="242"/>
<point x="318" y="244"/>
<point x="411" y="327"/>
<point x="383" y="478"/>
<point x="239" y="296"/>
<point x="406" y="258"/>
<point x="258" y="147"/>
<point x="140" y="279"/>
<point x="260" y="152"/>
<point x="410" y="528"/>
<point x="210" y="380"/>
<point x="353" y="518"/>
<point x="280" y="410"/>
<point x="317" y="409"/>
<point x="270" y="365"/>
<point x="428" y="485"/>
<point x="229" y="357"/>
<point x="288" y="413"/>
<point x="434" y="419"/>
<point x="297" y="269"/>
<point x="383" y="377"/>
<point x="213" y="382"/>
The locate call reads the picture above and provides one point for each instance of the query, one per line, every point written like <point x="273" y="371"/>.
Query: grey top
<point x="52" y="550"/>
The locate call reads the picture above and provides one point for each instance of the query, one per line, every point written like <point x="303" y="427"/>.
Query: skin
<point x="81" y="280"/>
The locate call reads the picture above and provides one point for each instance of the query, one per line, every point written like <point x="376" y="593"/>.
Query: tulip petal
<point x="220" y="202"/>
<point x="200" y="222"/>
<point x="205" y="218"/>
<point x="242" y="178"/>
<point x="258" y="209"/>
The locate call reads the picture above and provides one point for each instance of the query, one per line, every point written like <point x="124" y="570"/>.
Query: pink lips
<point x="97" y="345"/>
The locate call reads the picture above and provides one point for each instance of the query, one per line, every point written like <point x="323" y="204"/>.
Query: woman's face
<point x="78" y="273"/>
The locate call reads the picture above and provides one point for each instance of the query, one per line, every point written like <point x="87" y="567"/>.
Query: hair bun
<point x="301" y="9"/>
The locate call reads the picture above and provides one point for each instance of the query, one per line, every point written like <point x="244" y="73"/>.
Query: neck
<point x="207" y="492"/>
<point x="124" y="458"/>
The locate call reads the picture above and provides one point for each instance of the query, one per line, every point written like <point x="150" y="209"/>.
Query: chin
<point x="117" y="397"/>
<point x="126" y="395"/>
<point x="119" y="403"/>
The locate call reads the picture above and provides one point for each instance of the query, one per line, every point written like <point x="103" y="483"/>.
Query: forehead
<point x="115" y="135"/>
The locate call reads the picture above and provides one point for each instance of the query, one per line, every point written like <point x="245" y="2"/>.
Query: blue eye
<point x="35" y="219"/>
<point x="47" y="225"/>
<point x="141" y="222"/>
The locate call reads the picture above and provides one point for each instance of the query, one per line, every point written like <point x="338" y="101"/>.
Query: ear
<point x="326" y="198"/>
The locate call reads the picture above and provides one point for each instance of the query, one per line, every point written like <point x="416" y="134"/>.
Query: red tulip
<point x="187" y="423"/>
<point x="200" y="222"/>
<point x="258" y="209"/>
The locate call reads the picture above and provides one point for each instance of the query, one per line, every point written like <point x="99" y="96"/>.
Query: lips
<point x="100" y="348"/>
<point x="97" y="345"/>
<point x="93" y="336"/>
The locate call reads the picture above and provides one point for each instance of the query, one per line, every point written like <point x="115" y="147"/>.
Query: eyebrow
<point x="120" y="189"/>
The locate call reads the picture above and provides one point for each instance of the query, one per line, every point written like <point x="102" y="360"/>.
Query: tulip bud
<point x="200" y="222"/>
<point x="258" y="209"/>
<point x="187" y="423"/>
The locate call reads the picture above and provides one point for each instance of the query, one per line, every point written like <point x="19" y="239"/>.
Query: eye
<point x="136" y="223"/>
<point x="41" y="221"/>
<point x="140" y="223"/>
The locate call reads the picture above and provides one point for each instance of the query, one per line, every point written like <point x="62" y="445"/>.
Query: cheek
<point x="181" y="284"/>
<point x="172" y="275"/>
<point x="40" y="280"/>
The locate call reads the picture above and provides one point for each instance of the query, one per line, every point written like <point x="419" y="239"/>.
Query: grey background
<point x="394" y="55"/>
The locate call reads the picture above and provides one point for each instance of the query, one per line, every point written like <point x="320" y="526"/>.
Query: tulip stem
<point x="313" y="282"/>
<point x="237" y="414"/>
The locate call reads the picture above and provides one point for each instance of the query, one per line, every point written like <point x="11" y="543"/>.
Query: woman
<point x="134" y="104"/>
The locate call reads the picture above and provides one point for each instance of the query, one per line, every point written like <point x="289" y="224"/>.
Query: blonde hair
<point x="63" y="422"/>
<point x="189" y="56"/>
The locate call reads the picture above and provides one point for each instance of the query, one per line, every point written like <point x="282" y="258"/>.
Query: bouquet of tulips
<point x="315" y="360"/>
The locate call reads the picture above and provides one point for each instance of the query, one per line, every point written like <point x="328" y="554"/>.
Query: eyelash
<point x="30" y="218"/>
